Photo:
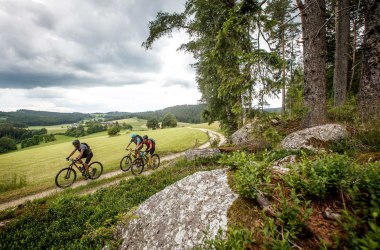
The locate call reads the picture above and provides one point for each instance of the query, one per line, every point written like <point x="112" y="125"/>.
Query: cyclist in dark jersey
<point x="150" y="147"/>
<point x="84" y="152"/>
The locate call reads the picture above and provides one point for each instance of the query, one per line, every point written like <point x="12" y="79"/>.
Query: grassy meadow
<point x="214" y="126"/>
<point x="53" y="129"/>
<point x="137" y="124"/>
<point x="38" y="165"/>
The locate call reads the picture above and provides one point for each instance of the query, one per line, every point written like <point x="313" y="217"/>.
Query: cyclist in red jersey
<point x="150" y="147"/>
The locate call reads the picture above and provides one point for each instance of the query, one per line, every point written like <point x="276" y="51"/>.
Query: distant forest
<point x="23" y="118"/>
<point x="183" y="113"/>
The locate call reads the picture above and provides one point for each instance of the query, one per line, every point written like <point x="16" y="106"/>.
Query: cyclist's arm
<point x="139" y="143"/>
<point x="80" y="154"/>
<point x="71" y="153"/>
<point x="149" y="146"/>
<point x="128" y="145"/>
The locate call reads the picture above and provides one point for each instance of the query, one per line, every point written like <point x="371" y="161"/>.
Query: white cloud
<point x="86" y="56"/>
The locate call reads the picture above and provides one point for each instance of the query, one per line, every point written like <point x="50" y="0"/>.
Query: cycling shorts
<point x="151" y="151"/>
<point x="88" y="157"/>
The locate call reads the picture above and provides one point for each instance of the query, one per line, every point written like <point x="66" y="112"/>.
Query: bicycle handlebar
<point x="73" y="160"/>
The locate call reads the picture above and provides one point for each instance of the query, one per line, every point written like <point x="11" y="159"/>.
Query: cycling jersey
<point x="149" y="144"/>
<point x="86" y="150"/>
<point x="137" y="139"/>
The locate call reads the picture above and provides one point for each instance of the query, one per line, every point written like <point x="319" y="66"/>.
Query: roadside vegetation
<point x="69" y="221"/>
<point x="317" y="186"/>
<point x="327" y="200"/>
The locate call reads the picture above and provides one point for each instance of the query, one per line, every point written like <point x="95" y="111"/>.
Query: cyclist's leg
<point x="80" y="161"/>
<point x="137" y="150"/>
<point x="149" y="154"/>
<point x="88" y="159"/>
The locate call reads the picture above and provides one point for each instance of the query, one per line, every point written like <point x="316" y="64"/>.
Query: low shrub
<point x="318" y="178"/>
<point x="237" y="159"/>
<point x="350" y="146"/>
<point x="371" y="138"/>
<point x="271" y="135"/>
<point x="236" y="238"/>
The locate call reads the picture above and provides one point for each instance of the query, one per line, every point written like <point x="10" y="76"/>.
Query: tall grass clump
<point x="11" y="182"/>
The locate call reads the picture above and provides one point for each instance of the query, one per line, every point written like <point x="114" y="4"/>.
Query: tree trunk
<point x="369" y="93"/>
<point x="354" y="42"/>
<point x="283" y="71"/>
<point x="314" y="31"/>
<point x="342" y="29"/>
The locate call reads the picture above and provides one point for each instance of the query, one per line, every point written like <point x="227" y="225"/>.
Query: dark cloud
<point x="180" y="82"/>
<point x="78" y="43"/>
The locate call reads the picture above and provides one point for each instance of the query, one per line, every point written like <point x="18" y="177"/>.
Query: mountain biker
<point x="84" y="152"/>
<point x="150" y="147"/>
<point x="137" y="139"/>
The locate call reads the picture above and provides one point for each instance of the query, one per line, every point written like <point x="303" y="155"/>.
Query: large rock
<point x="250" y="133"/>
<point x="192" y="154"/>
<point x="178" y="216"/>
<point x="314" y="138"/>
<point x="244" y="134"/>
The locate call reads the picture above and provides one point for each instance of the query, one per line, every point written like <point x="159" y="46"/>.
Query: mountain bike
<point x="67" y="176"/>
<point x="139" y="163"/>
<point x="126" y="161"/>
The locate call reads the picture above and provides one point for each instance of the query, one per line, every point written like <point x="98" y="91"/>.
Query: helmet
<point x="76" y="142"/>
<point x="145" y="137"/>
<point x="133" y="136"/>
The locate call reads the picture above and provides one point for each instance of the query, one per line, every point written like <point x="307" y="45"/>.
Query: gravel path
<point x="212" y="134"/>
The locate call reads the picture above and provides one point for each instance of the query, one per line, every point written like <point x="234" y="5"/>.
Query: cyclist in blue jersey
<point x="137" y="139"/>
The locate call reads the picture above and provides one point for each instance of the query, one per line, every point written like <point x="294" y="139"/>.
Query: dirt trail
<point x="212" y="134"/>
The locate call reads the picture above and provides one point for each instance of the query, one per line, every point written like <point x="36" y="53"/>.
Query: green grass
<point x="40" y="164"/>
<point x="214" y="126"/>
<point x="137" y="124"/>
<point x="54" y="129"/>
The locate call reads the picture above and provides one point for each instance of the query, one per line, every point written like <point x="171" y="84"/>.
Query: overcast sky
<point x="86" y="56"/>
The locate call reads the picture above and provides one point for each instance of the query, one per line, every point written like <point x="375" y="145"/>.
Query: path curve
<point x="212" y="136"/>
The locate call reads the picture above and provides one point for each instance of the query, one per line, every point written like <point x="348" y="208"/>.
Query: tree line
<point x="183" y="113"/>
<point x="315" y="54"/>
<point x="11" y="135"/>
<point x="24" y="118"/>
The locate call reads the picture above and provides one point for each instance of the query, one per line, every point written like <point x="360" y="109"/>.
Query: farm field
<point x="214" y="126"/>
<point x="38" y="165"/>
<point x="54" y="129"/>
<point x="137" y="124"/>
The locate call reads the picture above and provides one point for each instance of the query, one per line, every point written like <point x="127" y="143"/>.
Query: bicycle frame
<point x="73" y="163"/>
<point x="68" y="175"/>
<point x="143" y="155"/>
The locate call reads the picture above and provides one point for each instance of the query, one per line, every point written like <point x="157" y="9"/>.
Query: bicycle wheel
<point x="137" y="166"/>
<point x="95" y="170"/>
<point x="155" y="161"/>
<point x="65" y="177"/>
<point x="126" y="163"/>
